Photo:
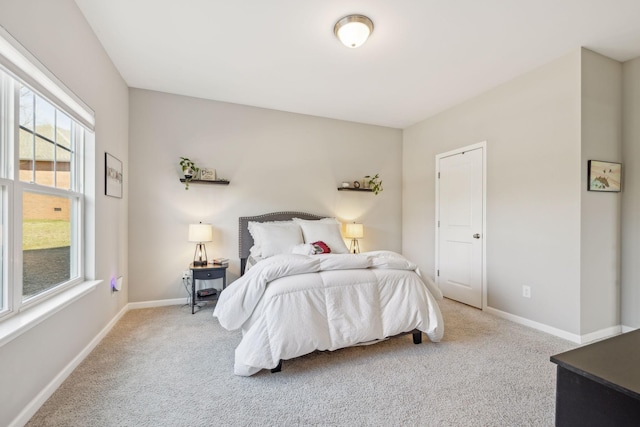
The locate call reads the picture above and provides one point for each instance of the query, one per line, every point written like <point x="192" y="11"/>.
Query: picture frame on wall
<point x="207" y="174"/>
<point x="112" y="176"/>
<point x="604" y="176"/>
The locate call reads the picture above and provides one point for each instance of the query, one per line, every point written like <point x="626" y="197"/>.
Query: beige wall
<point x="532" y="128"/>
<point x="630" y="293"/>
<point x="275" y="161"/>
<point x="544" y="229"/>
<point x="600" y="217"/>
<point x="58" y="35"/>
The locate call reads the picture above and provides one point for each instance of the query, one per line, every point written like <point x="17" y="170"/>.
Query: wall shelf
<point x="354" y="189"/>
<point x="200" y="181"/>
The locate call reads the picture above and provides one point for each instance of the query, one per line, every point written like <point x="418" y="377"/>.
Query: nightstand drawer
<point x="208" y="275"/>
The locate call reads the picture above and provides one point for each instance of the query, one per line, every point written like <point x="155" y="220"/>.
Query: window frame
<point x="12" y="191"/>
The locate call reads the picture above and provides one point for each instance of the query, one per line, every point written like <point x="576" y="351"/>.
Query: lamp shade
<point x="200" y="232"/>
<point x="353" y="30"/>
<point x="354" y="231"/>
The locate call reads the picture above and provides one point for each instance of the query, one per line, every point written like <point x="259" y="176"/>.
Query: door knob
<point x="476" y="236"/>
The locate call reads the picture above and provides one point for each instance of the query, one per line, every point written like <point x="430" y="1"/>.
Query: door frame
<point x="483" y="145"/>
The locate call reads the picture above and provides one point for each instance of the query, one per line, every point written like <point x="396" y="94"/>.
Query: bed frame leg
<point x="277" y="368"/>
<point x="417" y="337"/>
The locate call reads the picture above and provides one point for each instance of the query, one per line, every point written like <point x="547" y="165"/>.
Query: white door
<point x="460" y="225"/>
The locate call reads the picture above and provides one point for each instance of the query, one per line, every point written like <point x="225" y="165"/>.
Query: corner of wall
<point x="600" y="212"/>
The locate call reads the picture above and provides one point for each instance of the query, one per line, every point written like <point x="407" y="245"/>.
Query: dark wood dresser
<point x="599" y="384"/>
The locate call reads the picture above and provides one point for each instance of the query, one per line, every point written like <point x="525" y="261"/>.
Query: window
<point x="46" y="142"/>
<point x="41" y="193"/>
<point x="47" y="243"/>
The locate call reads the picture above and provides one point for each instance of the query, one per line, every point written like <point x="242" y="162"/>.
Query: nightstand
<point x="208" y="272"/>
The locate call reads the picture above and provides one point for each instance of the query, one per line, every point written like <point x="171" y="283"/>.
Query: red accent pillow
<point x="321" y="247"/>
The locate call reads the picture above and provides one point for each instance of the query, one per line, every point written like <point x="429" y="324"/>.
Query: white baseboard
<point x="601" y="334"/>
<point x="158" y="303"/>
<point x="628" y="328"/>
<point x="535" y="325"/>
<point x="35" y="404"/>
<point x="578" y="339"/>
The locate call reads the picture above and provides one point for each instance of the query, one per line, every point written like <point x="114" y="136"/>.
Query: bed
<point x="301" y="291"/>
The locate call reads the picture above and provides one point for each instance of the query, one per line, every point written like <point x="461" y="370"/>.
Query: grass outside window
<point x="46" y="234"/>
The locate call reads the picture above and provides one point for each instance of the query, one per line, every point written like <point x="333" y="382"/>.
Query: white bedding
<point x="291" y="305"/>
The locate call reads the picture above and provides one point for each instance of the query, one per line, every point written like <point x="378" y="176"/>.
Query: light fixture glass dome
<point x="353" y="30"/>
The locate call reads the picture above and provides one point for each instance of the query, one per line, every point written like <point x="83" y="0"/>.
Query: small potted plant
<point x="189" y="169"/>
<point x="375" y="184"/>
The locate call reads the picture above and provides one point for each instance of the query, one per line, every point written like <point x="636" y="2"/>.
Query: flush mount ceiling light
<point x="353" y="30"/>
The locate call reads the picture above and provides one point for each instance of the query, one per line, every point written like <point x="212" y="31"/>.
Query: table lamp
<point x="200" y="233"/>
<point x="354" y="232"/>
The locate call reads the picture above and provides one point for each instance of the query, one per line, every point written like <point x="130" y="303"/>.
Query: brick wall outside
<point x="38" y="206"/>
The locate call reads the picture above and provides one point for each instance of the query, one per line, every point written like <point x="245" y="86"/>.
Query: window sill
<point x="20" y="323"/>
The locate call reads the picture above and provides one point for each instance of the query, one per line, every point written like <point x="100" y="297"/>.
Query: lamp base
<point x="200" y="256"/>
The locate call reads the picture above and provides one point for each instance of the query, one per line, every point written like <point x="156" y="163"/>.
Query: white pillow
<point x="256" y="249"/>
<point x="324" y="230"/>
<point x="274" y="238"/>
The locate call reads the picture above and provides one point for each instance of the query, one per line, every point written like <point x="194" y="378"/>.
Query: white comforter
<point x="291" y="305"/>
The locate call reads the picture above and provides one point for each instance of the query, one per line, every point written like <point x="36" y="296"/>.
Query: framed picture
<point x="112" y="176"/>
<point x="207" y="174"/>
<point x="604" y="176"/>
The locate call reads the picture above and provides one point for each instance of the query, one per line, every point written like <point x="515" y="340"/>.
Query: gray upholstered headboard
<point x="245" y="239"/>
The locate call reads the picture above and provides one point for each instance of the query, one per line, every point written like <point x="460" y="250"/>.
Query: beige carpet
<point x="166" y="367"/>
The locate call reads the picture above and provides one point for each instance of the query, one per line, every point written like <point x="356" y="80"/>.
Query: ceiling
<point x="423" y="57"/>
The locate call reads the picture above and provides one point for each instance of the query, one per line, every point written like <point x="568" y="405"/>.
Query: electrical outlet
<point x="526" y="291"/>
<point x="186" y="274"/>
